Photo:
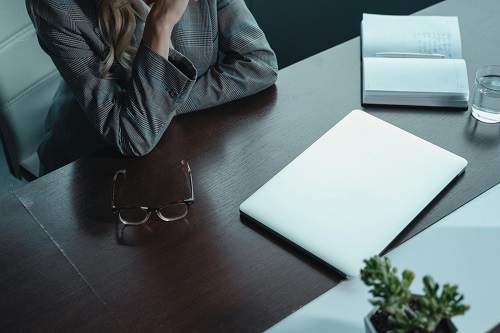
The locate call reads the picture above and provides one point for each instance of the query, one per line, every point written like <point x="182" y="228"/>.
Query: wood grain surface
<point x="40" y="290"/>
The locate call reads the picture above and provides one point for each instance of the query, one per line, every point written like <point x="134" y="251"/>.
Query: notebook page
<point x="412" y="75"/>
<point x="416" y="34"/>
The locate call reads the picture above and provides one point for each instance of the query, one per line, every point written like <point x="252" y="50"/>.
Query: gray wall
<point x="299" y="29"/>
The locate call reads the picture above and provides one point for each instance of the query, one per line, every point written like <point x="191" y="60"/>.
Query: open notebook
<point x="413" y="60"/>
<point x="348" y="195"/>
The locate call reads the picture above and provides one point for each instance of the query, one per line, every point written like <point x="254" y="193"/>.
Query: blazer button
<point x="173" y="93"/>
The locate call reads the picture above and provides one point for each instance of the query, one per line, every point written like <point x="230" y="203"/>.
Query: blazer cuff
<point x="176" y="75"/>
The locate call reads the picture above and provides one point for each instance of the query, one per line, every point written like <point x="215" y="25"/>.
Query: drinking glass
<point x="486" y="102"/>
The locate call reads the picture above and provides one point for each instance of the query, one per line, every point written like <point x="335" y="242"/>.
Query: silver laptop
<point x="348" y="195"/>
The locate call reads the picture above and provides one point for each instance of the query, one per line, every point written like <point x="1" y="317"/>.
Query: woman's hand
<point x="163" y="16"/>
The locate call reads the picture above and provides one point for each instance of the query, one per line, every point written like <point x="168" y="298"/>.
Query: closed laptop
<point x="348" y="195"/>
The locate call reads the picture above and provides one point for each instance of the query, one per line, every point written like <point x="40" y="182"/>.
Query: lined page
<point x="415" y="75"/>
<point x="417" y="34"/>
<point x="422" y="82"/>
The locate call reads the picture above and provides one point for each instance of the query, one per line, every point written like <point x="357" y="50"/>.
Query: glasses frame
<point x="150" y="210"/>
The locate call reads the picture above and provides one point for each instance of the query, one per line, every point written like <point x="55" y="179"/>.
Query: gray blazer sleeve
<point x="130" y="114"/>
<point x="249" y="64"/>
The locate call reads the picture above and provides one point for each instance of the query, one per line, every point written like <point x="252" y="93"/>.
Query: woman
<point x="129" y="66"/>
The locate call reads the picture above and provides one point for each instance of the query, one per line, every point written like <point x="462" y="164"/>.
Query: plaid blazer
<point x="131" y="112"/>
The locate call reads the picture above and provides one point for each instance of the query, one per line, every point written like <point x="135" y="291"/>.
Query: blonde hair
<point x="117" y="25"/>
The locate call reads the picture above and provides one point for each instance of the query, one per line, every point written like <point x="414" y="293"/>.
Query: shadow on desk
<point x="292" y="249"/>
<point x="484" y="136"/>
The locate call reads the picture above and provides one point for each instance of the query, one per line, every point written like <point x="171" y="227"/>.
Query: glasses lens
<point x="134" y="215"/>
<point x="173" y="212"/>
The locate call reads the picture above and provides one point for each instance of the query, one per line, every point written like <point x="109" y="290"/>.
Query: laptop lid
<point x="348" y="195"/>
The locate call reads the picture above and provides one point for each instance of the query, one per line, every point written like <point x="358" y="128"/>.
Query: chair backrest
<point x="28" y="80"/>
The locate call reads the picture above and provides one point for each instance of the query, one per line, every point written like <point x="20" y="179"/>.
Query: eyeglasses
<point x="136" y="215"/>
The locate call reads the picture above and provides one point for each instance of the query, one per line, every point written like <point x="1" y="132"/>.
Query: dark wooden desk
<point x="63" y="269"/>
<point x="41" y="290"/>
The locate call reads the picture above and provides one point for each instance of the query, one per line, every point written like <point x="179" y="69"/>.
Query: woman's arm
<point x="130" y="114"/>
<point x="249" y="63"/>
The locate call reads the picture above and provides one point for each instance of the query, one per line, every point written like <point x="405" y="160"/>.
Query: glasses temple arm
<point x="124" y="173"/>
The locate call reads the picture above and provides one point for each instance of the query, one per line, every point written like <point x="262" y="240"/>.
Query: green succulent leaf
<point x="392" y="294"/>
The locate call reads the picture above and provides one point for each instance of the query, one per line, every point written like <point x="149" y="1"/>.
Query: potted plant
<point x="397" y="310"/>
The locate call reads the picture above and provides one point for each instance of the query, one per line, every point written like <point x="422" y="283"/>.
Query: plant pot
<point x="445" y="326"/>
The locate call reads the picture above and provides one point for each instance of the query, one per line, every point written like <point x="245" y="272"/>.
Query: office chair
<point x="28" y="80"/>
